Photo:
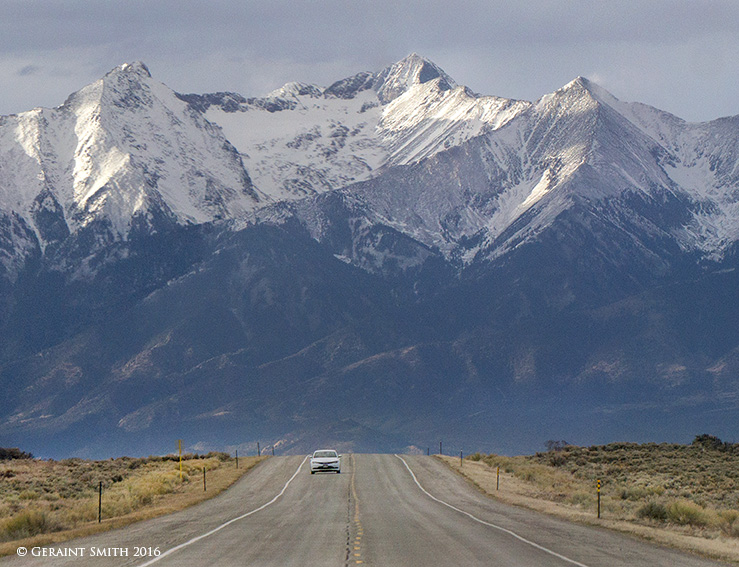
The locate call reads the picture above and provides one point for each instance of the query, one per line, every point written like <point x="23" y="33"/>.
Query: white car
<point x="325" y="460"/>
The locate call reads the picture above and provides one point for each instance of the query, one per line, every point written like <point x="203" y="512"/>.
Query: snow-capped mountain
<point x="517" y="165"/>
<point x="577" y="146"/>
<point x="122" y="148"/>
<point x="304" y="139"/>
<point x="495" y="171"/>
<point x="426" y="259"/>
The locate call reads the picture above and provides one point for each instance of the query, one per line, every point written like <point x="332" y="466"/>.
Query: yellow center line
<point x="357" y="545"/>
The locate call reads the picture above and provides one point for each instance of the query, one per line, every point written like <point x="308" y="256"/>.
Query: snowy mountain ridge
<point x="127" y="151"/>
<point x="303" y="139"/>
<point x="536" y="157"/>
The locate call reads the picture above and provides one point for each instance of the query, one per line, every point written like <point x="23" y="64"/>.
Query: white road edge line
<point x="514" y="534"/>
<point x="214" y="530"/>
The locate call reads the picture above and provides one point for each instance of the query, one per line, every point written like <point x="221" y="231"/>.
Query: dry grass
<point x="44" y="502"/>
<point x="686" y="496"/>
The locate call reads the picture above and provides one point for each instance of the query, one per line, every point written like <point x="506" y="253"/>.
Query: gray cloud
<point x="678" y="55"/>
<point x="28" y="70"/>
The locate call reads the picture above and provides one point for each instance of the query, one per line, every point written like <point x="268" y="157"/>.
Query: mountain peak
<point x="134" y="68"/>
<point x="393" y="81"/>
<point x="589" y="88"/>
<point x="295" y="89"/>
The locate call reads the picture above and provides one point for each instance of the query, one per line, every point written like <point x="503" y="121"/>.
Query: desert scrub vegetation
<point x="692" y="488"/>
<point x="46" y="496"/>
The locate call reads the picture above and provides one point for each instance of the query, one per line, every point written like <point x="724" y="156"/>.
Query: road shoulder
<point x="514" y="491"/>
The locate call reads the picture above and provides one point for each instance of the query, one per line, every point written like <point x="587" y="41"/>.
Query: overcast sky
<point x="680" y="56"/>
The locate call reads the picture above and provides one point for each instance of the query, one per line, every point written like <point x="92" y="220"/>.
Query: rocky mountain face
<point x="378" y="264"/>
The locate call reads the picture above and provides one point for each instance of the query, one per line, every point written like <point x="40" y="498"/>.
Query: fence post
<point x="179" y="450"/>
<point x="460" y="458"/>
<point x="259" y="451"/>
<point x="497" y="480"/>
<point x="204" y="487"/>
<point x="100" y="502"/>
<point x="598" y="484"/>
<point x="237" y="458"/>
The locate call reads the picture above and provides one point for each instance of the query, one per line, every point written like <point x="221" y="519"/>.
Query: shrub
<point x="712" y="442"/>
<point x="686" y="513"/>
<point x="633" y="493"/>
<point x="8" y="453"/>
<point x="220" y="455"/>
<point x="29" y="495"/>
<point x="653" y="511"/>
<point x="529" y="475"/>
<point x="581" y="499"/>
<point x="553" y="445"/>
<point x="557" y="460"/>
<point x="25" y="524"/>
<point x="729" y="522"/>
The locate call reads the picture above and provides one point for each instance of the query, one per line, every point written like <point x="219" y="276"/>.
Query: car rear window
<point x="322" y="454"/>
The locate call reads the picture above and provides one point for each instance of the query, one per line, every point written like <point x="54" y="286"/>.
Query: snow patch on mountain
<point x="320" y="145"/>
<point x="302" y="140"/>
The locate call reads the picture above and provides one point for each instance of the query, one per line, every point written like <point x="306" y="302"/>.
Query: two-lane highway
<point x="383" y="510"/>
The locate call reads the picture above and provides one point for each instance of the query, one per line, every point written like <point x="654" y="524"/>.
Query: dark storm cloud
<point x="679" y="55"/>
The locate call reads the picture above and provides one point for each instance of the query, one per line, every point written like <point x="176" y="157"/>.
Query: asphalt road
<point x="383" y="510"/>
